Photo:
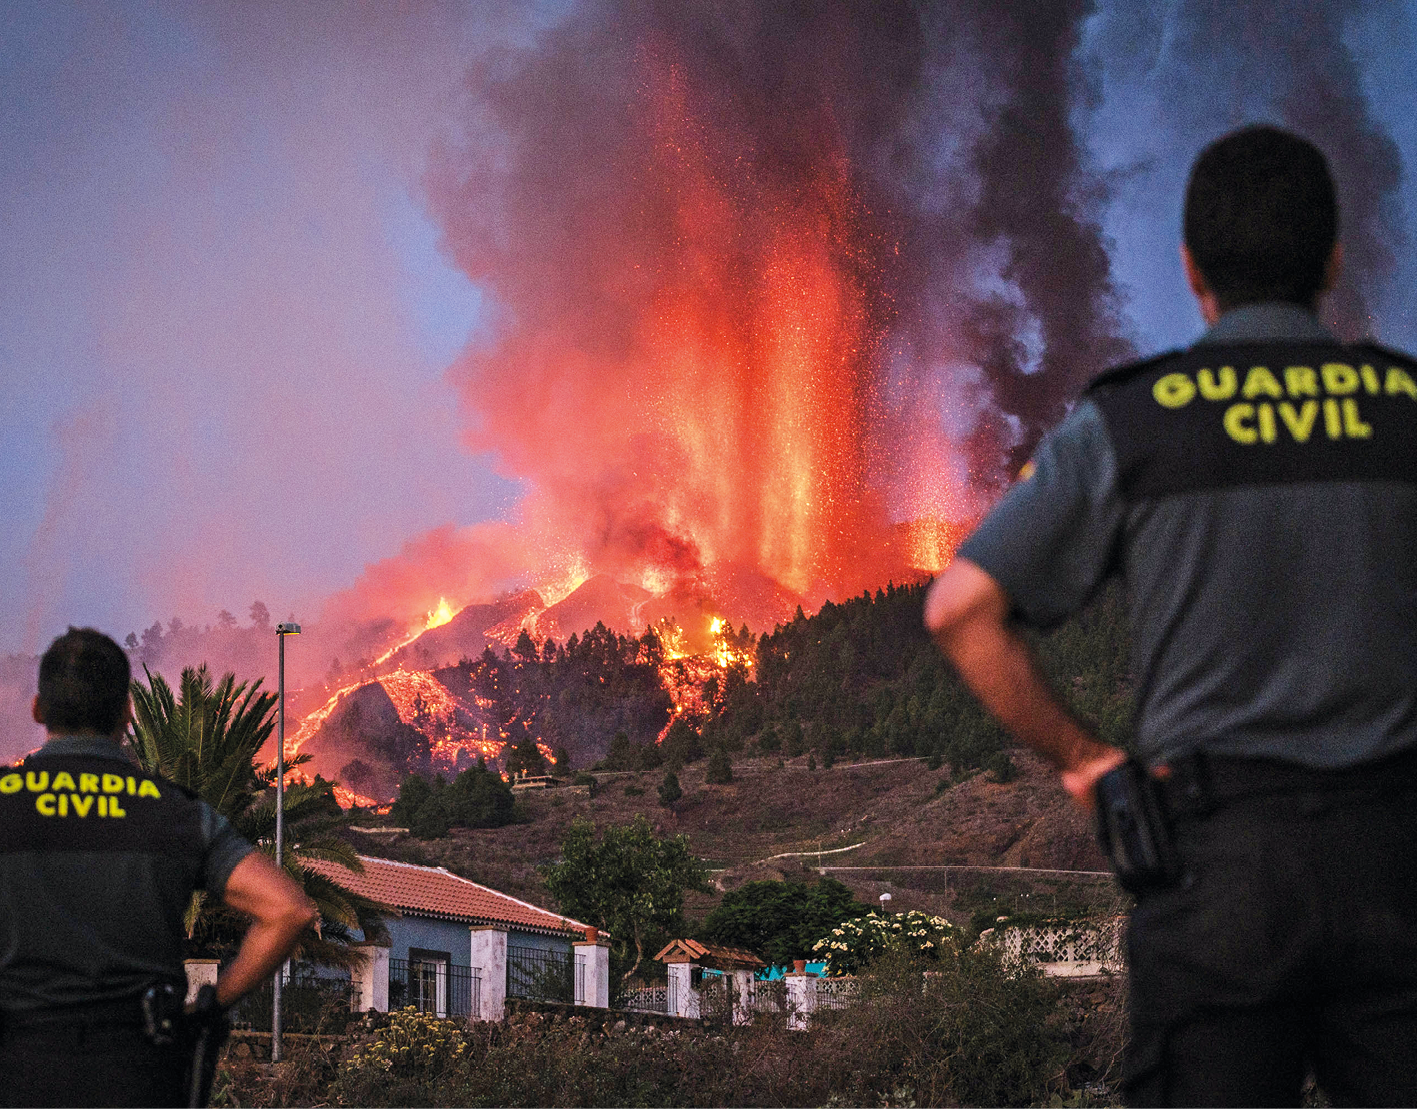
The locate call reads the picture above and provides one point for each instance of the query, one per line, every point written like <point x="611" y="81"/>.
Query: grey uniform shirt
<point x="98" y="862"/>
<point x="1272" y="617"/>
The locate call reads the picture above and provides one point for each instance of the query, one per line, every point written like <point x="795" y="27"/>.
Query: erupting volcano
<point x="743" y="358"/>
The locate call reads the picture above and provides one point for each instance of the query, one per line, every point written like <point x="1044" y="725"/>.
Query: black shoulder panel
<point x="84" y="803"/>
<point x="1259" y="414"/>
<point x="1119" y="375"/>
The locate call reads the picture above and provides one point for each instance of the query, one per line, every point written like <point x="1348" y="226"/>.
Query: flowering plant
<point x="412" y="1041"/>
<point x="854" y="943"/>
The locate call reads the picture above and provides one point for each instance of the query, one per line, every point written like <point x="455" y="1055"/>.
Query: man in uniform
<point x="98" y="862"/>
<point x="1257" y="494"/>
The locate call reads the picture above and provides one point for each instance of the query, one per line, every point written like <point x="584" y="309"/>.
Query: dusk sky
<point x="228" y="308"/>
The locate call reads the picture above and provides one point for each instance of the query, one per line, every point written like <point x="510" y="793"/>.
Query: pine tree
<point x="720" y="770"/>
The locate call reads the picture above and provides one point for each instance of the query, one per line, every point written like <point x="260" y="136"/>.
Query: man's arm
<point x="967" y="613"/>
<point x="279" y="912"/>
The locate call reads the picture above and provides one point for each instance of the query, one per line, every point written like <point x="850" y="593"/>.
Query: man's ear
<point x="36" y="711"/>
<point x="1205" y="296"/>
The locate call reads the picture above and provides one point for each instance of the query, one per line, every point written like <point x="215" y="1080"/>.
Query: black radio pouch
<point x="1134" y="829"/>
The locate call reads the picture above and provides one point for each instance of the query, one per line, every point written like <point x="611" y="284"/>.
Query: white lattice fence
<point x="1065" y="950"/>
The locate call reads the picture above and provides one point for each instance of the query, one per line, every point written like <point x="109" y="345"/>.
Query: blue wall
<point x="455" y="938"/>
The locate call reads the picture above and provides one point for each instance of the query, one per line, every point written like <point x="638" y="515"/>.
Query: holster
<point x="1135" y="831"/>
<point x="208" y="1025"/>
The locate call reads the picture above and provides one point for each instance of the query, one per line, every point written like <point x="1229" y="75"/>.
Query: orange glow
<point x="439" y="616"/>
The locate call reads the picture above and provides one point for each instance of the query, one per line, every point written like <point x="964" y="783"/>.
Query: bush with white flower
<point x="853" y="944"/>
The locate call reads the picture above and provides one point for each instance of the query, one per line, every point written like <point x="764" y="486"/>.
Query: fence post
<point x="684" y="998"/>
<point x="370" y="976"/>
<point x="742" y="996"/>
<point x="596" y="953"/>
<point x="489" y="951"/>
<point x="200" y="972"/>
<point x="801" y="996"/>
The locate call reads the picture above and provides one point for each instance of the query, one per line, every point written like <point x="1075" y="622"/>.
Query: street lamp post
<point x="282" y="630"/>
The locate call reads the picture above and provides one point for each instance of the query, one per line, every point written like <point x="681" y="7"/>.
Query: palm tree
<point x="207" y="737"/>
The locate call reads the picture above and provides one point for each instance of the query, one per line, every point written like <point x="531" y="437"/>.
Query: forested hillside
<point x="858" y="678"/>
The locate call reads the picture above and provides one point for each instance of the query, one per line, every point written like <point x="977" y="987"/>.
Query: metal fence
<point x="580" y="980"/>
<point x="307" y="1004"/>
<point x="769" y="996"/>
<point x="539" y="975"/>
<point x="837" y="993"/>
<point x="435" y="987"/>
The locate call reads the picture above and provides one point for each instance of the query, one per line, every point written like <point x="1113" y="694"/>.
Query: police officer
<point x="1257" y="494"/>
<point x="98" y="862"/>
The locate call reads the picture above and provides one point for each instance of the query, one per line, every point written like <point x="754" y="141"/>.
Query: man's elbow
<point x="300" y="915"/>
<point x="960" y="597"/>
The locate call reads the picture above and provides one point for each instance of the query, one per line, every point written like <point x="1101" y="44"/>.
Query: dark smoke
<point x="650" y="172"/>
<point x="1215" y="66"/>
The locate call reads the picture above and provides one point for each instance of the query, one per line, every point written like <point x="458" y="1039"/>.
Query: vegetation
<point x="975" y="1034"/>
<point x="720" y="770"/>
<point x="669" y="789"/>
<point x="631" y="883"/>
<point x="855" y="944"/>
<point x="476" y="798"/>
<point x="780" y="921"/>
<point x="207" y="737"/>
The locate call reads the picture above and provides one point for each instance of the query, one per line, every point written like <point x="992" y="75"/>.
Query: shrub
<point x="855" y="944"/>
<point x="720" y="770"/>
<point x="669" y="790"/>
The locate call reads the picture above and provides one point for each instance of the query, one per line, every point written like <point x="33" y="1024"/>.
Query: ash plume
<point x="1213" y="67"/>
<point x="768" y="274"/>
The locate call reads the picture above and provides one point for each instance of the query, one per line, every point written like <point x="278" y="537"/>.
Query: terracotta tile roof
<point x="708" y="955"/>
<point x="436" y="892"/>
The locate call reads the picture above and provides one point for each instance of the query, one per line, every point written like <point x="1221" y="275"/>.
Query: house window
<point x="428" y="980"/>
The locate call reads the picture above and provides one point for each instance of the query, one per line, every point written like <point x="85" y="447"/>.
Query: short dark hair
<point x="83" y="683"/>
<point x="1261" y="217"/>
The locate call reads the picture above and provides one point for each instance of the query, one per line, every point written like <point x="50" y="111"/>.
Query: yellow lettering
<point x="1213" y="390"/>
<point x="112" y="783"/>
<point x="1353" y="425"/>
<point x="88" y="783"/>
<point x="1267" y="429"/>
<point x="63" y="804"/>
<point x="1340" y="378"/>
<point x="147" y="789"/>
<point x="1301" y="381"/>
<point x="113" y="809"/>
<point x="63" y="780"/>
<point x="11" y="783"/>
<point x="1260" y="380"/>
<point x="1370" y="379"/>
<point x="82" y="805"/>
<point x="1235" y="426"/>
<point x="1398" y="381"/>
<point x="37" y="782"/>
<point x="1174" y="391"/>
<point x="132" y="789"/>
<point x="1333" y="424"/>
<point x="103" y="806"/>
<point x="44" y="803"/>
<point x="1300" y="423"/>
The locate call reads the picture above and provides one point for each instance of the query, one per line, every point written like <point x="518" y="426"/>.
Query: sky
<point x="229" y="309"/>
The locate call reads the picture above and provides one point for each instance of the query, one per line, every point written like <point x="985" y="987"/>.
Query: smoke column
<point x="743" y="258"/>
<point x="1212" y="67"/>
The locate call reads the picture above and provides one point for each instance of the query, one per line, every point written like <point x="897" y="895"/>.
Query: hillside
<point x="899" y="811"/>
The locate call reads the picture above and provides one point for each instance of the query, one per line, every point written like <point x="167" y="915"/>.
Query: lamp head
<point x="287" y="629"/>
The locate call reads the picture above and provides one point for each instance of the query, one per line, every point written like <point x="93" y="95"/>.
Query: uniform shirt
<point x="1258" y="496"/>
<point x="98" y="862"/>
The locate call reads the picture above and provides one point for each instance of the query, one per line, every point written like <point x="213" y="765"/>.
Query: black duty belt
<point x="125" y="1011"/>
<point x="1200" y="782"/>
